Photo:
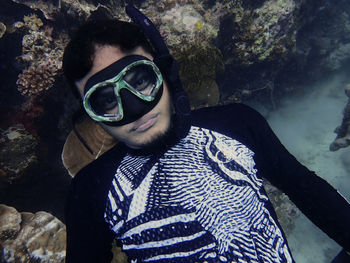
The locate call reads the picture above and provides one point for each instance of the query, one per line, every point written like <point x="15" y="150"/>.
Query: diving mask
<point x="124" y="91"/>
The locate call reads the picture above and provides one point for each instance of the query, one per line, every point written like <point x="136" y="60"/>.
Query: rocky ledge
<point x="27" y="237"/>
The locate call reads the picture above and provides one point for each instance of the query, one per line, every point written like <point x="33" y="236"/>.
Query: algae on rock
<point x="199" y="66"/>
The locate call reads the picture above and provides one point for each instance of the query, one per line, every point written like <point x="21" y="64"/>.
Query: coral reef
<point x="48" y="8"/>
<point x="80" y="10"/>
<point x="286" y="211"/>
<point x="185" y="22"/>
<point x="17" y="152"/>
<point x="253" y="35"/>
<point x="42" y="51"/>
<point x="27" y="237"/>
<point x="36" y="78"/>
<point x="182" y="25"/>
<point x="199" y="66"/>
<point x="336" y="57"/>
<point x="343" y="131"/>
<point x="246" y="33"/>
<point x="75" y="155"/>
<point x="323" y="43"/>
<point x="273" y="30"/>
<point x="190" y="30"/>
<point x="28" y="115"/>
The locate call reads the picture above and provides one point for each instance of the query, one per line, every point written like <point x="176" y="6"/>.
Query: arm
<point x="318" y="200"/>
<point x="88" y="237"/>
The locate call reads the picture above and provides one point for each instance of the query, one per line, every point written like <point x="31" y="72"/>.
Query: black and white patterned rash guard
<point x="200" y="202"/>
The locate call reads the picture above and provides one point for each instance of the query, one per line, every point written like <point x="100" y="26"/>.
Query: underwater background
<point x="288" y="59"/>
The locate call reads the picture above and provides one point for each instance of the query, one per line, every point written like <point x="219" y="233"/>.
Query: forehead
<point x="105" y="56"/>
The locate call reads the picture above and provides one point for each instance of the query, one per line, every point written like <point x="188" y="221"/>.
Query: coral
<point x="265" y="33"/>
<point x="285" y="210"/>
<point x="10" y="222"/>
<point x="323" y="43"/>
<point x="33" y="22"/>
<point x="336" y="58"/>
<point x="42" y="52"/>
<point x="36" y="78"/>
<point x="182" y="22"/>
<point x="17" y="152"/>
<point x="2" y="29"/>
<point x="273" y="28"/>
<point x="48" y="8"/>
<point x="27" y="237"/>
<point x="261" y="32"/>
<point x="343" y="131"/>
<point x="78" y="9"/>
<point x="180" y="25"/>
<point x="27" y="116"/>
<point x="199" y="65"/>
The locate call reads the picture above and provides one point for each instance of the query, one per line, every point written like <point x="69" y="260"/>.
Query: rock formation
<point x="27" y="237"/>
<point x="2" y="29"/>
<point x="343" y="131"/>
<point x="285" y="210"/>
<point x="17" y="152"/>
<point x="258" y="40"/>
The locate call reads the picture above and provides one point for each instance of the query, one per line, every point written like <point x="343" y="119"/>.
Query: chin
<point x="155" y="140"/>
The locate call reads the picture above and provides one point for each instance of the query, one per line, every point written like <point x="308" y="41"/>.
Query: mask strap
<point x="149" y="30"/>
<point x="169" y="68"/>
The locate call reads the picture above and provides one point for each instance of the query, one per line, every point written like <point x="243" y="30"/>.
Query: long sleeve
<point x="88" y="237"/>
<point x="317" y="199"/>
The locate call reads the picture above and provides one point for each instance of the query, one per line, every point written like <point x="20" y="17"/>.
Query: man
<point x="178" y="189"/>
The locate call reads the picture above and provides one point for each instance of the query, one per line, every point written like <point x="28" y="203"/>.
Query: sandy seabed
<point x="305" y="125"/>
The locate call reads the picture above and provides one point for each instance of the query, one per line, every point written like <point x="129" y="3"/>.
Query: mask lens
<point x="142" y="79"/>
<point x="103" y="100"/>
<point x="132" y="82"/>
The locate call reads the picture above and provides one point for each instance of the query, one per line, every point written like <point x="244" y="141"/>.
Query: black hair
<point x="78" y="54"/>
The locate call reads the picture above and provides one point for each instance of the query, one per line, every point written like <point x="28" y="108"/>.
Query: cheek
<point x="80" y="84"/>
<point x="166" y="99"/>
<point x="117" y="132"/>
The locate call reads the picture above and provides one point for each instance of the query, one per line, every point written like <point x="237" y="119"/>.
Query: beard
<point x="159" y="142"/>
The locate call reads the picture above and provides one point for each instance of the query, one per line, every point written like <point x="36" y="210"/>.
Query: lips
<point x="145" y="123"/>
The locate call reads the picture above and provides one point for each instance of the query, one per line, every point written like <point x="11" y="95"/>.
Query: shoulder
<point x="236" y="111"/>
<point x="237" y="115"/>
<point x="236" y="121"/>
<point x="97" y="175"/>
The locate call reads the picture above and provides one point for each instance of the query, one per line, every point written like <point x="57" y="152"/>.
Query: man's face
<point x="150" y="126"/>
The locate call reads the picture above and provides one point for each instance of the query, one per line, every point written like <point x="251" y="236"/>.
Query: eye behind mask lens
<point x="141" y="78"/>
<point x="104" y="101"/>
